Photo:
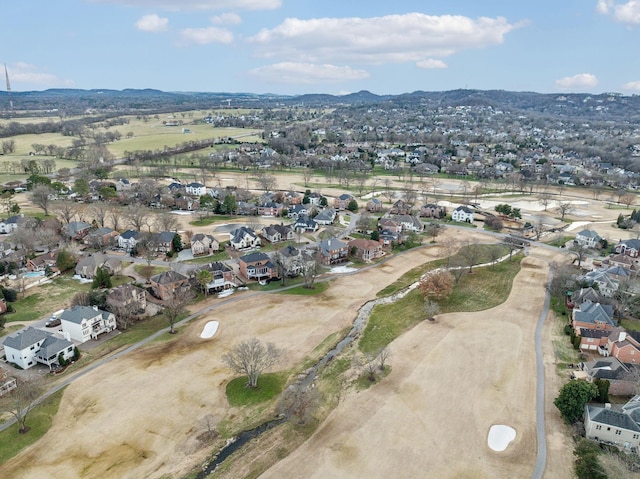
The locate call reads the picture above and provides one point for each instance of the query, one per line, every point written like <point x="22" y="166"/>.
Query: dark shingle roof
<point x="25" y="338"/>
<point x="612" y="418"/>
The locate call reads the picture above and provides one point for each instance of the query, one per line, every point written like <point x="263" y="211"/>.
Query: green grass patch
<point x="560" y="241"/>
<point x="209" y="220"/>
<point x="39" y="420"/>
<point x="119" y="280"/>
<point x="485" y="288"/>
<point x="220" y="256"/>
<point x="630" y="324"/>
<point x="364" y="382"/>
<point x="46" y="298"/>
<point x="324" y="347"/>
<point x="7" y="330"/>
<point x="139" y="268"/>
<point x="318" y="288"/>
<point x="269" y="386"/>
<point x="410" y="277"/>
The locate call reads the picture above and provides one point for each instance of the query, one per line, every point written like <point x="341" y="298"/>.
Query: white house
<point x="196" y="189"/>
<point x="463" y="214"/>
<point x="83" y="323"/>
<point x="128" y="240"/>
<point x="243" y="237"/>
<point x="588" y="238"/>
<point x="31" y="346"/>
<point x="614" y="427"/>
<point x="10" y="224"/>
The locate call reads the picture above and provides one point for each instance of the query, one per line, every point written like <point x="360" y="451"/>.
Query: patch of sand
<point x="210" y="329"/>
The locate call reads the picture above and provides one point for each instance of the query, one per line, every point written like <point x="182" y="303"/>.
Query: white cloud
<point x="307" y="73"/>
<point x="152" y="23"/>
<point x="205" y="36"/>
<point x="181" y="5"/>
<point x="226" y="19"/>
<point x="411" y="37"/>
<point x="628" y="12"/>
<point x="582" y="80"/>
<point x="431" y="63"/>
<point x="21" y="73"/>
<point x="632" y="85"/>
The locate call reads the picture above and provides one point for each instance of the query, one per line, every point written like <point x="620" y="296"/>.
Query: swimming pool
<point x="33" y="274"/>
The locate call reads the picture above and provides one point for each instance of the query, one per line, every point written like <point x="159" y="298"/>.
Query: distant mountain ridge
<point x="605" y="105"/>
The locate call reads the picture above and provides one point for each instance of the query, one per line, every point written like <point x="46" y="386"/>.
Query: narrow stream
<point x="358" y="326"/>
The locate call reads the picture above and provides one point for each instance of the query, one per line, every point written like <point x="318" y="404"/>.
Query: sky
<point x="301" y="46"/>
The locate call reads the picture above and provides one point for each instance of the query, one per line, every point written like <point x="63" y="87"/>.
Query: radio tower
<point x="6" y="76"/>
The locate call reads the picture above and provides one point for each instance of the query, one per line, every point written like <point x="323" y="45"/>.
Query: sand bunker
<point x="500" y="437"/>
<point x="209" y="329"/>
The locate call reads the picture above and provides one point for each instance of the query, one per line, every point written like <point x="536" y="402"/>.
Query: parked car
<point x="52" y="322"/>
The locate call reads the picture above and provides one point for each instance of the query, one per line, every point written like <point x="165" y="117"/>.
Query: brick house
<point x="258" y="266"/>
<point x="166" y="283"/>
<point x="365" y="249"/>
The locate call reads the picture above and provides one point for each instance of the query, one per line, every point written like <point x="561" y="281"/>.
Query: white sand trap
<point x="500" y="436"/>
<point x="225" y="293"/>
<point x="342" y="270"/>
<point x="209" y="329"/>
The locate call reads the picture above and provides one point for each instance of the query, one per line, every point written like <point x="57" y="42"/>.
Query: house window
<point x="32" y="348"/>
<point x="598" y="427"/>
<point x="635" y="436"/>
<point x="618" y="432"/>
<point x="70" y="348"/>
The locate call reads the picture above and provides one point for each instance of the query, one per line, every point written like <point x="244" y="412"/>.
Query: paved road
<point x="541" y="458"/>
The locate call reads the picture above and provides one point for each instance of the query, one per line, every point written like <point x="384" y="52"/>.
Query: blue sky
<point x="328" y="46"/>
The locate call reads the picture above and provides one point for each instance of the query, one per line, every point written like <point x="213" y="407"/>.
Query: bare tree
<point x="627" y="199"/>
<point x="433" y="230"/>
<point x="539" y="226"/>
<point x="115" y="216"/>
<point x="137" y="217"/>
<point x="99" y="211"/>
<point x="298" y="402"/>
<point x="307" y="174"/>
<point x="66" y="210"/>
<point x="471" y="253"/>
<point x="175" y="305"/>
<point x="252" y="358"/>
<point x="564" y="208"/>
<point x="369" y="366"/>
<point x="579" y="253"/>
<point x="21" y="401"/>
<point x="437" y="284"/>
<point x="41" y="196"/>
<point x="166" y="221"/>
<point x="383" y="357"/>
<point x="266" y="182"/>
<point x="545" y="199"/>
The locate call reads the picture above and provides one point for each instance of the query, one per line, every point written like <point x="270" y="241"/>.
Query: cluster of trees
<point x="508" y="210"/>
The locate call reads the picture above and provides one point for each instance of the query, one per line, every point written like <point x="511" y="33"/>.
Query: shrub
<point x="9" y="294"/>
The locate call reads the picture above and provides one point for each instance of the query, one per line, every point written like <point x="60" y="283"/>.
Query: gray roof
<point x="25" y="338"/>
<point x="168" y="277"/>
<point x="465" y="209"/>
<point x="77" y="313"/>
<point x="594" y="312"/>
<point x="250" y="258"/>
<point x="53" y="346"/>
<point x="331" y="244"/>
<point x="239" y="233"/>
<point x="589" y="234"/>
<point x="612" y="418"/>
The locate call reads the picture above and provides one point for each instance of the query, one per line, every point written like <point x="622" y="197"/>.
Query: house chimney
<point x="622" y="336"/>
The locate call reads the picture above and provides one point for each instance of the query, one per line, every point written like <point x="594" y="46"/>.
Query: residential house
<point x="326" y="217"/>
<point x="163" y="241"/>
<point x="588" y="238"/>
<point x="222" y="276"/>
<point x="304" y="224"/>
<point x="82" y="323"/>
<point x="410" y="223"/>
<point x="88" y="266"/>
<point x="277" y="233"/>
<point x="196" y="189"/>
<point x="40" y="263"/>
<point x="76" y="230"/>
<point x="102" y="237"/>
<point x="243" y="238"/>
<point x="128" y="240"/>
<point x="622" y="346"/>
<point x="315" y="199"/>
<point x="127" y="297"/>
<point x="630" y="247"/>
<point x="187" y="203"/>
<point x="292" y="198"/>
<point x="592" y="316"/>
<point x="245" y="208"/>
<point x="258" y="266"/>
<point x="165" y="284"/>
<point x="607" y="280"/>
<point x="295" y="261"/>
<point x="400" y="207"/>
<point x="270" y="209"/>
<point x="390" y="224"/>
<point x="333" y="251"/>
<point x="620" y="428"/>
<point x="389" y="237"/>
<point x="374" y="205"/>
<point x="619" y="375"/>
<point x="593" y="340"/>
<point x="30" y="346"/>
<point x="623" y="261"/>
<point x="10" y="224"/>
<point x="342" y="201"/>
<point x="202" y="244"/>
<point x="123" y="184"/>
<point x="295" y="211"/>
<point x="366" y="250"/>
<point x="433" y="210"/>
<point x="463" y="214"/>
